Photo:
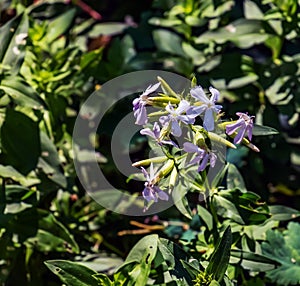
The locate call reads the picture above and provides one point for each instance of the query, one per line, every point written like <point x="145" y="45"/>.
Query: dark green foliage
<point x="53" y="55"/>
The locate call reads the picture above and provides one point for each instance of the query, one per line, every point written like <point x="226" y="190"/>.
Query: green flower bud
<point x="147" y="162"/>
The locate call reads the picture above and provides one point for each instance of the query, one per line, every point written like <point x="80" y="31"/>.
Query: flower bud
<point x="173" y="179"/>
<point x="164" y="171"/>
<point x="147" y="162"/>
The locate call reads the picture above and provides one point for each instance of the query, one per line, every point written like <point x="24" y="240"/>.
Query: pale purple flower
<point x="207" y="105"/>
<point x="139" y="105"/>
<point x="155" y="134"/>
<point x="177" y="115"/>
<point x="202" y="156"/>
<point x="243" y="125"/>
<point x="152" y="192"/>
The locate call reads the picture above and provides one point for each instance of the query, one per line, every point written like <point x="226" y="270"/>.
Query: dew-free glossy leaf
<point x="220" y="258"/>
<point x="72" y="273"/>
<point x="20" y="141"/>
<point x="11" y="50"/>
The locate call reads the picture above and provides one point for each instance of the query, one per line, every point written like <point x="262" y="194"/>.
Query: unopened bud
<point x="164" y="171"/>
<point x="173" y="179"/>
<point x="147" y="162"/>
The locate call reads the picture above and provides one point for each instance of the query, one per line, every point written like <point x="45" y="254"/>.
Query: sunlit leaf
<point x="72" y="273"/>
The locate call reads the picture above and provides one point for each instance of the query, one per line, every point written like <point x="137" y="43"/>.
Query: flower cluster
<point x="199" y="114"/>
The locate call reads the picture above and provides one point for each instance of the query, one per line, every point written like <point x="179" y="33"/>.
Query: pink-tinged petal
<point x="182" y="107"/>
<point x="136" y="103"/>
<point x="151" y="173"/>
<point x="239" y="137"/>
<point x="215" y="94"/>
<point x="197" y="110"/>
<point x="186" y="119"/>
<point x="196" y="160"/>
<point x="231" y="128"/>
<point x="242" y="115"/>
<point x="190" y="147"/>
<point x="209" y="121"/>
<point x="249" y="131"/>
<point x="169" y="142"/>
<point x="217" y="108"/>
<point x="151" y="88"/>
<point x="175" y="128"/>
<point x="161" y="194"/>
<point x="148" y="132"/>
<point x="145" y="173"/>
<point x="148" y="195"/>
<point x="156" y="130"/>
<point x="203" y="164"/>
<point x="141" y="116"/>
<point x="213" y="159"/>
<point x="198" y="93"/>
<point x="170" y="108"/>
<point x="164" y="120"/>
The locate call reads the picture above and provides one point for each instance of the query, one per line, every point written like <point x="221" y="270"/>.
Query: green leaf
<point x="251" y="261"/>
<point x="21" y="92"/>
<point x="170" y="22"/>
<point x="220" y="258"/>
<point x="11" y="52"/>
<point x="137" y="266"/>
<point x="181" y="202"/>
<point x="49" y="161"/>
<point x="252" y="10"/>
<point x="59" y="25"/>
<point x="103" y="279"/>
<point x="173" y="256"/>
<point x="260" y="130"/>
<point x="234" y="179"/>
<point x="285" y="249"/>
<point x="282" y="213"/>
<point x="192" y="267"/>
<point x="72" y="273"/>
<point x="244" y="33"/>
<point x="227" y="209"/>
<point x="168" y="42"/>
<point x="107" y="29"/>
<point x="52" y="235"/>
<point x="205" y="216"/>
<point x="144" y="250"/>
<point x="20" y="141"/>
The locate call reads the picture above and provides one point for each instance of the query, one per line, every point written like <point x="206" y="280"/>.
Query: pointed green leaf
<point x="234" y="179"/>
<point x="72" y="273"/>
<point x="59" y="25"/>
<point x="220" y="258"/>
<point x="12" y="49"/>
<point x="21" y="92"/>
<point x="20" y="141"/>
<point x="260" y="130"/>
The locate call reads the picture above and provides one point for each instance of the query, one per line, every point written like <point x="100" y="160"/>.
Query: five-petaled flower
<point x="207" y="105"/>
<point x="177" y="115"/>
<point x="202" y="156"/>
<point x="155" y="134"/>
<point x="152" y="192"/>
<point x="139" y="105"/>
<point x="243" y="125"/>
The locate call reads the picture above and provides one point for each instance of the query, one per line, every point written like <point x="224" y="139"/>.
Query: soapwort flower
<point x="202" y="156"/>
<point x="155" y="133"/>
<point x="243" y="126"/>
<point x="207" y="106"/>
<point x="152" y="192"/>
<point x="139" y="105"/>
<point x="177" y="115"/>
